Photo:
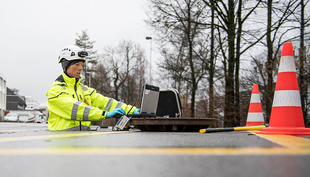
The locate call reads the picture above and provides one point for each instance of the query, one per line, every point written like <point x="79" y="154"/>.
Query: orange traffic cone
<point x="286" y="114"/>
<point x="255" y="114"/>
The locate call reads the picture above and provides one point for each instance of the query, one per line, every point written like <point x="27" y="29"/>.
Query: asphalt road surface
<point x="29" y="149"/>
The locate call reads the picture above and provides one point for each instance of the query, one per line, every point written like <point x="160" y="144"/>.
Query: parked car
<point x="12" y="117"/>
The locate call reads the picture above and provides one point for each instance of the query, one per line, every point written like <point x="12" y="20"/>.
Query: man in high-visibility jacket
<point x="71" y="105"/>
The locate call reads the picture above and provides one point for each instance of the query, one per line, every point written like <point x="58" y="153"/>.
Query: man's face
<point x="75" y="70"/>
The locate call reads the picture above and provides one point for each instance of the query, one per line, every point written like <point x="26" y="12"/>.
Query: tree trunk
<point x="269" y="90"/>
<point x="229" y="116"/>
<point x="237" y="92"/>
<point x="211" y="68"/>
<point x="190" y="45"/>
<point x="302" y="85"/>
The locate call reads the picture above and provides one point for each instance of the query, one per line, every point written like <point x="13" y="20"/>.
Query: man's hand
<point x="137" y="111"/>
<point x="114" y="112"/>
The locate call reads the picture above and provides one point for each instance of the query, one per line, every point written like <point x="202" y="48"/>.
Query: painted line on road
<point x="292" y="145"/>
<point x="287" y="141"/>
<point x="151" y="151"/>
<point x="22" y="130"/>
<point x="24" y="138"/>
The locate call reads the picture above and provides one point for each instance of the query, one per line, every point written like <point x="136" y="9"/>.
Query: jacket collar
<point x="68" y="80"/>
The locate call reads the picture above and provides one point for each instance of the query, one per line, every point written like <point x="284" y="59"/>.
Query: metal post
<point x="89" y="80"/>
<point x="150" y="71"/>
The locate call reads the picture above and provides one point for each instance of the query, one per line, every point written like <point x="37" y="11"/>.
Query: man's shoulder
<point x="60" y="79"/>
<point x="56" y="88"/>
<point x="60" y="82"/>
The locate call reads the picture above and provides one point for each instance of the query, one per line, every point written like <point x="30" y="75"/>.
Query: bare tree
<point x="236" y="26"/>
<point x="278" y="31"/>
<point x="283" y="23"/>
<point x="122" y="63"/>
<point x="179" y="25"/>
<point x="304" y="20"/>
<point x="231" y="21"/>
<point x="257" y="74"/>
<point x="131" y="88"/>
<point x="101" y="80"/>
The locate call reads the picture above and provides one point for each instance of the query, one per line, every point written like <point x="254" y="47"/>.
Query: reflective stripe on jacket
<point x="72" y="106"/>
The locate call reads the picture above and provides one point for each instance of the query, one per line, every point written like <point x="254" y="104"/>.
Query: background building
<point x="15" y="101"/>
<point x="2" y="96"/>
<point x="31" y="103"/>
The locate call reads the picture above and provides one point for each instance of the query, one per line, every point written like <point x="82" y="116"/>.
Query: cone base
<point x="285" y="131"/>
<point x="254" y="123"/>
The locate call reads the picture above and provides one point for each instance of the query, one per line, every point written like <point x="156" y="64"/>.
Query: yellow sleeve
<point x="59" y="102"/>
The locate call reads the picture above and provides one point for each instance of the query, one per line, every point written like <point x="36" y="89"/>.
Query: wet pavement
<point x="29" y="149"/>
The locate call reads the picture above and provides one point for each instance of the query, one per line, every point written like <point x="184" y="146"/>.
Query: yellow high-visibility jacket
<point x="72" y="105"/>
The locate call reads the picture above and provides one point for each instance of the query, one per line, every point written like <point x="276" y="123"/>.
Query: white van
<point x="27" y="116"/>
<point x="40" y="118"/>
<point x="24" y="117"/>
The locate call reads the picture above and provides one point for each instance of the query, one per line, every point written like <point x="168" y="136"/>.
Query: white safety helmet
<point x="72" y="52"/>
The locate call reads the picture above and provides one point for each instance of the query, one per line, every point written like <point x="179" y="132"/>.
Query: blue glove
<point x="137" y="111"/>
<point x="114" y="112"/>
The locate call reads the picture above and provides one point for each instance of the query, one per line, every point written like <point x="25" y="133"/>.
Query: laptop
<point x="149" y="102"/>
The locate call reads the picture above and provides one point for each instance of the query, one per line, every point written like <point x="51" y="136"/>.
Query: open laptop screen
<point x="149" y="99"/>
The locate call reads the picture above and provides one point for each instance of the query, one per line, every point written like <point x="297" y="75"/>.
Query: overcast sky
<point x="33" y="32"/>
